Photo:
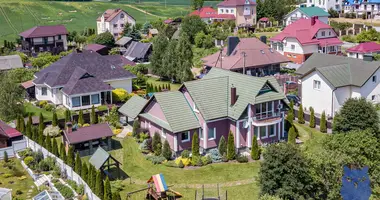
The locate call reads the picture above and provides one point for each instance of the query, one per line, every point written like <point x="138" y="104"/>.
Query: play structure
<point x="158" y="189"/>
<point x="204" y="195"/>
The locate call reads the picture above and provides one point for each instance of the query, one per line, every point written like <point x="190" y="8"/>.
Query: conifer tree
<point x="157" y="144"/>
<point x="54" y="122"/>
<point x="90" y="177"/>
<point x="5" y="157"/>
<point x="195" y="145"/>
<point x="156" y="88"/>
<point x="94" y="118"/>
<point x="136" y="127"/>
<point x="54" y="147"/>
<point x="80" y="118"/>
<point x="231" y="146"/>
<point x="99" y="188"/>
<point x="222" y="145"/>
<point x="93" y="178"/>
<point x="41" y="139"/>
<point x="35" y="134"/>
<point x="62" y="153"/>
<point x="159" y="88"/>
<point x="166" y="152"/>
<point x="28" y="130"/>
<point x="290" y="115"/>
<point x="22" y="125"/>
<point x="169" y="86"/>
<point x="18" y="123"/>
<point x="107" y="189"/>
<point x="116" y="196"/>
<point x="323" y="123"/>
<point x="67" y="116"/>
<point x="84" y="172"/>
<point x="185" y="59"/>
<point x="48" y="143"/>
<point x="312" y="118"/>
<point x="255" y="151"/>
<point x="292" y="135"/>
<point x="30" y="120"/>
<point x="71" y="157"/>
<point x="301" y="120"/>
<point x="78" y="164"/>
<point x="41" y="127"/>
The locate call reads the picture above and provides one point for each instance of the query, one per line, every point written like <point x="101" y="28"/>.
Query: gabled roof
<point x="119" y="60"/>
<point x="94" y="47"/>
<point x="110" y="14"/>
<point x="44" y="31"/>
<point x="10" y="62"/>
<point x="338" y="70"/>
<point x="99" y="158"/>
<point x="257" y="54"/>
<point x="8" y="131"/>
<point x="366" y="47"/>
<point x="314" y="11"/>
<point x="137" y="50"/>
<point x="122" y="41"/>
<point x="209" y="12"/>
<point x="228" y="3"/>
<point x="305" y="32"/>
<point x="84" y="134"/>
<point x="59" y="73"/>
<point x="133" y="106"/>
<point x="212" y="93"/>
<point x="177" y="111"/>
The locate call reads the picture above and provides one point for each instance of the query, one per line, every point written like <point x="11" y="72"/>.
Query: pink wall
<point x="243" y="135"/>
<point x="153" y="128"/>
<point x="154" y="109"/>
<point x="222" y="128"/>
<point x="186" y="145"/>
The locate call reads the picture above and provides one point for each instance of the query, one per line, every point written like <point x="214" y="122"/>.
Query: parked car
<point x="296" y="100"/>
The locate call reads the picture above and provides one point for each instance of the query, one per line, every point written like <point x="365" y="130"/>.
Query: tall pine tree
<point x="107" y="189"/>
<point x="78" y="164"/>
<point x="48" y="143"/>
<point x="80" y="118"/>
<point x="55" y="120"/>
<point x="185" y="59"/>
<point x="94" y="118"/>
<point x="231" y="146"/>
<point x="222" y="145"/>
<point x="71" y="157"/>
<point x="54" y="147"/>
<point x="170" y="60"/>
<point x="84" y="172"/>
<point x="323" y="123"/>
<point x="255" y="151"/>
<point x="195" y="145"/>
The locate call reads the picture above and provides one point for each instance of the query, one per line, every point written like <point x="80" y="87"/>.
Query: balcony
<point x="264" y="119"/>
<point x="43" y="43"/>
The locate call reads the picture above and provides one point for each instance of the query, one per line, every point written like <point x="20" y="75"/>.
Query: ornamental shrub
<point x="185" y="154"/>
<point x="80" y="118"/>
<point x="222" y="145"/>
<point x="195" y="160"/>
<point x="6" y="159"/>
<point x="48" y="107"/>
<point x="292" y="135"/>
<point x="28" y="160"/>
<point x="94" y="118"/>
<point x="64" y="190"/>
<point x="215" y="156"/>
<point x="301" y="120"/>
<point x="157" y="144"/>
<point x="199" y="162"/>
<point x="323" y="123"/>
<point x="255" y="151"/>
<point x="312" y="118"/>
<point x="180" y="164"/>
<point x="120" y="95"/>
<point x="136" y="128"/>
<point x="231" y="147"/>
<point x="185" y="161"/>
<point x="166" y="152"/>
<point x="42" y="104"/>
<point x="146" y="145"/>
<point x="242" y="159"/>
<point x="155" y="159"/>
<point x="55" y="120"/>
<point x="206" y="160"/>
<point x="195" y="145"/>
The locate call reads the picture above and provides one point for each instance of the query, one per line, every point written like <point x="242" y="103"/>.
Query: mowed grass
<point x="22" y="183"/>
<point x="35" y="111"/>
<point x="156" y="81"/>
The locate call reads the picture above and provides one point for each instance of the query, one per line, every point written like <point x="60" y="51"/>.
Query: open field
<point x="368" y="22"/>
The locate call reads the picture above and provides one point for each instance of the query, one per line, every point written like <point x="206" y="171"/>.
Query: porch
<point x="86" y="101"/>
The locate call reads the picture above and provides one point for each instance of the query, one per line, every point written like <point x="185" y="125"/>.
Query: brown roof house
<point x="10" y="62"/>
<point x="113" y="20"/>
<point x="81" y="80"/>
<point x="44" y="38"/>
<point x="85" y="140"/>
<point x="98" y="48"/>
<point x="247" y="55"/>
<point x="8" y="134"/>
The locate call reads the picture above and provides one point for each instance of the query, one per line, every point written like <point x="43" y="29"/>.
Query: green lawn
<point x="157" y="82"/>
<point x="35" y="111"/>
<point x="19" y="180"/>
<point x="311" y="137"/>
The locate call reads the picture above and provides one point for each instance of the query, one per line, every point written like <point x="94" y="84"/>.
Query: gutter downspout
<point x="332" y="102"/>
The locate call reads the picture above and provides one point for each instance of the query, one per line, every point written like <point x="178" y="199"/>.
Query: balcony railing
<point x="265" y="116"/>
<point x="42" y="43"/>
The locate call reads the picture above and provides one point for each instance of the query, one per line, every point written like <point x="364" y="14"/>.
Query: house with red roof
<point x="299" y="40"/>
<point x="44" y="38"/>
<point x="113" y="20"/>
<point x="8" y="134"/>
<point x="242" y="11"/>
<point x="366" y="48"/>
<point x="248" y="56"/>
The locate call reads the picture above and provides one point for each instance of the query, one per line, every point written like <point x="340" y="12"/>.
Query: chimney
<point x="233" y="95"/>
<point x="313" y="20"/>
<point x="232" y="42"/>
<point x="69" y="127"/>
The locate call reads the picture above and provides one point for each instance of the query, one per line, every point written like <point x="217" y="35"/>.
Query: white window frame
<point x="266" y="132"/>
<point x="274" y="130"/>
<point x="373" y="97"/>
<point x="374" y="78"/>
<point x="316" y="85"/>
<point x="323" y="33"/>
<point x="187" y="140"/>
<point x="163" y="134"/>
<point x="293" y="47"/>
<point x="267" y="112"/>
<point x="213" y="138"/>
<point x="201" y="134"/>
<point x="42" y="91"/>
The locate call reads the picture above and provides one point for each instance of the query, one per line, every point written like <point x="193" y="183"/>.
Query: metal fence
<point x="11" y="151"/>
<point x="71" y="175"/>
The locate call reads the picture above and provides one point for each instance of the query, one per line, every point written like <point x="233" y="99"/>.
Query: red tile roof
<point x="209" y="12"/>
<point x="44" y="31"/>
<point x="110" y="14"/>
<point x="84" y="134"/>
<point x="257" y="54"/>
<point x="263" y="19"/>
<point x="227" y="3"/>
<point x="27" y="84"/>
<point x="8" y="131"/>
<point x="304" y="32"/>
<point x="366" y="47"/>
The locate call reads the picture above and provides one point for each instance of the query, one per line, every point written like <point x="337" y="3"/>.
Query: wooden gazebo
<point x="102" y="160"/>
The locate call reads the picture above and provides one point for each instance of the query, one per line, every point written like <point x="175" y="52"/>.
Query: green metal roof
<point x="338" y="70"/>
<point x="133" y="106"/>
<point x="99" y="158"/>
<point x="156" y="120"/>
<point x="177" y="111"/>
<point x="314" y="11"/>
<point x="212" y="94"/>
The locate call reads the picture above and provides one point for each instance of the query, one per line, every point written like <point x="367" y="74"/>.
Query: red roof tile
<point x="304" y="31"/>
<point x="84" y="134"/>
<point x="366" y="47"/>
<point x="8" y="131"/>
<point x="27" y="84"/>
<point x="44" y="31"/>
<point x="209" y="12"/>
<point x="263" y="19"/>
<point x="110" y="14"/>
<point x="257" y="54"/>
<point x="226" y="3"/>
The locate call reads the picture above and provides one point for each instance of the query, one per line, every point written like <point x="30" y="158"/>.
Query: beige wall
<point x="248" y="19"/>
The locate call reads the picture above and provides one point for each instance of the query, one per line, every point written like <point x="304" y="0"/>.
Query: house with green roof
<point x="222" y="101"/>
<point x="304" y="12"/>
<point x="329" y="80"/>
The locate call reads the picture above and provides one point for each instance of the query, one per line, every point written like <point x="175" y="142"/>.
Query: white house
<point x="329" y="80"/>
<point x="299" y="40"/>
<point x="81" y="80"/>
<point x="368" y="7"/>
<point x="362" y="49"/>
<point x="326" y="4"/>
<point x="306" y="13"/>
<point x="113" y="20"/>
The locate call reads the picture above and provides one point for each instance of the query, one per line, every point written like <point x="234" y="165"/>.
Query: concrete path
<point x="125" y="131"/>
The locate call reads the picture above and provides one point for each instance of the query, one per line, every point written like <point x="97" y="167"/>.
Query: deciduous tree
<point x="106" y="39"/>
<point x="191" y="25"/>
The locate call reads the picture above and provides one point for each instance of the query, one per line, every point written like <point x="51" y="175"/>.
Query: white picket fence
<point x="69" y="171"/>
<point x="12" y="150"/>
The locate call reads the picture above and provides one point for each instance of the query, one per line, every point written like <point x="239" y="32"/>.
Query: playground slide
<point x="174" y="192"/>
